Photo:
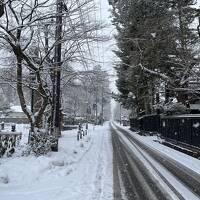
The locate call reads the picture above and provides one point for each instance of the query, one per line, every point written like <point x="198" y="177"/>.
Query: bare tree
<point x="28" y="30"/>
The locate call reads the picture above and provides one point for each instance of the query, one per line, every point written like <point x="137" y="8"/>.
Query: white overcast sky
<point x="106" y="54"/>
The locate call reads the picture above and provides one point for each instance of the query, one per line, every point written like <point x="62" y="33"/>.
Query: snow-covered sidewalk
<point x="80" y="170"/>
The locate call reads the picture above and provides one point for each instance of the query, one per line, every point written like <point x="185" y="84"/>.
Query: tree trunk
<point x="34" y="120"/>
<point x="21" y="93"/>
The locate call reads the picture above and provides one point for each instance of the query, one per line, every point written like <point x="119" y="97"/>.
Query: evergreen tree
<point x="156" y="46"/>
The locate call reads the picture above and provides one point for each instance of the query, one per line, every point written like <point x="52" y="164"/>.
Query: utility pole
<point x="1" y="8"/>
<point x="57" y="72"/>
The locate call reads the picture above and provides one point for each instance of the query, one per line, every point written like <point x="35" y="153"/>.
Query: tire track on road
<point x="152" y="189"/>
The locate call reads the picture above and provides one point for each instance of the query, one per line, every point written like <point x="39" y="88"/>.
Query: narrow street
<point x="141" y="172"/>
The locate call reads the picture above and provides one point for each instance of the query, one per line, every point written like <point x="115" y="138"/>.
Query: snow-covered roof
<point x="17" y="108"/>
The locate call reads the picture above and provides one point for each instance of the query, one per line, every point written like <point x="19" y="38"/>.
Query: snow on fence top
<point x="181" y="116"/>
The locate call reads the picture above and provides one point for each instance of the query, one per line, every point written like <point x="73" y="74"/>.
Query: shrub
<point x="42" y="142"/>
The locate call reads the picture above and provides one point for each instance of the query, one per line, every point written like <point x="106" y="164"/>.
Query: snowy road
<point x="141" y="172"/>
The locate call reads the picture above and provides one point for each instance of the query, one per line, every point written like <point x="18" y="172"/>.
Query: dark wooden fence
<point x="149" y="123"/>
<point x="181" y="128"/>
<point x="14" y="120"/>
<point x="134" y="124"/>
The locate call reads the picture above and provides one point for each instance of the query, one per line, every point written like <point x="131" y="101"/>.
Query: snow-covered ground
<point x="80" y="170"/>
<point x="182" y="158"/>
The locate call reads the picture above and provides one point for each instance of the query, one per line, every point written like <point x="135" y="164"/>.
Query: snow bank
<point x="28" y="169"/>
<point x="80" y="170"/>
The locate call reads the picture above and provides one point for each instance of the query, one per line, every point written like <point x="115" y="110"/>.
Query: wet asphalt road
<point x="142" y="173"/>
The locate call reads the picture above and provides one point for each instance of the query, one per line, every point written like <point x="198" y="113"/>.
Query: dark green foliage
<point x="157" y="46"/>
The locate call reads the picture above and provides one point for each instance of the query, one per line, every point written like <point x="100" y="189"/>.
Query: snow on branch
<point x="161" y="75"/>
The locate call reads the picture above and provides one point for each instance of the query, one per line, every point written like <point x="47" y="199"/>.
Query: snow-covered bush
<point x="172" y="108"/>
<point x="41" y="142"/>
<point x="175" y="108"/>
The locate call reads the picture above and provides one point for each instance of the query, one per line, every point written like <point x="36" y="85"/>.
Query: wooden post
<point x="1" y="8"/>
